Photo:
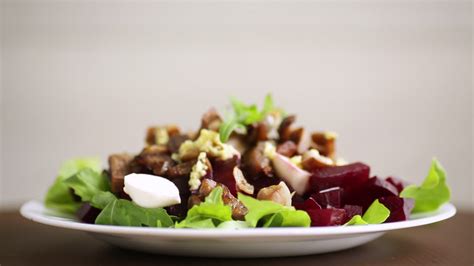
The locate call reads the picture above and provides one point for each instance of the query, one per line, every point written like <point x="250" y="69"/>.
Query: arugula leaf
<point x="244" y="115"/>
<point x="126" y="213"/>
<point x="432" y="193"/>
<point x="208" y="214"/>
<point x="59" y="196"/>
<point x="87" y="182"/>
<point x="270" y="214"/>
<point x="227" y="127"/>
<point x="377" y="213"/>
<point x="101" y="199"/>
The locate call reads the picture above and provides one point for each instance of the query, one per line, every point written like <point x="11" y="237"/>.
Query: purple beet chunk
<point x="330" y="197"/>
<point x="351" y="211"/>
<point x="371" y="190"/>
<point x="223" y="172"/>
<point x="347" y="176"/>
<point x="306" y="205"/>
<point x="400" y="208"/>
<point x="87" y="213"/>
<point x="396" y="183"/>
<point x="327" y="217"/>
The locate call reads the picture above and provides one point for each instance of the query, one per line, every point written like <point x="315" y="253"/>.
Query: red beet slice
<point x="351" y="211"/>
<point x="327" y="217"/>
<point x="371" y="190"/>
<point x="223" y="172"/>
<point x="330" y="197"/>
<point x="306" y="205"/>
<point x="400" y="208"/>
<point x="347" y="176"/>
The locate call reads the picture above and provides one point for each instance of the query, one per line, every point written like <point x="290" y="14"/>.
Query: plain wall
<point x="393" y="78"/>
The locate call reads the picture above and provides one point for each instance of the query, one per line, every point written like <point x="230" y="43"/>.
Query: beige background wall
<point x="394" y="78"/>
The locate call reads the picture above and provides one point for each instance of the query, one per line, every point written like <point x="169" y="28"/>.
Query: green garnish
<point x="432" y="193"/>
<point x="209" y="214"/>
<point x="377" y="213"/>
<point x="59" y="196"/>
<point x="263" y="213"/>
<point x="244" y="115"/>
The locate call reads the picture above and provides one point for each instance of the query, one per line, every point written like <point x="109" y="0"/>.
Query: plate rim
<point x="34" y="210"/>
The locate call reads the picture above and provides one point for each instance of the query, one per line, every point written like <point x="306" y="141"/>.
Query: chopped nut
<point x="241" y="182"/>
<point x="313" y="160"/>
<point x="325" y="143"/>
<point x="276" y="193"/>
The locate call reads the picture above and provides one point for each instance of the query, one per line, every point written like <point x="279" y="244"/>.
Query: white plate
<point x="259" y="242"/>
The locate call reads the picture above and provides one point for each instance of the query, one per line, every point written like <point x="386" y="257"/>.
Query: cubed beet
<point x="327" y="217"/>
<point x="223" y="172"/>
<point x="351" y="211"/>
<point x="347" y="176"/>
<point x="400" y="208"/>
<point x="306" y="205"/>
<point x="371" y="190"/>
<point x="330" y="197"/>
<point x="396" y="182"/>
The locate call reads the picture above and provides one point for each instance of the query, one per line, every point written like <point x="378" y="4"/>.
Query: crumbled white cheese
<point x="210" y="143"/>
<point x="269" y="150"/>
<point x="161" y="136"/>
<point x="198" y="171"/>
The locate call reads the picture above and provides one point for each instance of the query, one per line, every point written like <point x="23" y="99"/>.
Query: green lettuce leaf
<point x="233" y="225"/>
<point x="208" y="214"/>
<point x="87" y="182"/>
<point x="377" y="213"/>
<point x="126" y="213"/>
<point x="59" y="196"/>
<point x="432" y="193"/>
<point x="101" y="199"/>
<point x="270" y="214"/>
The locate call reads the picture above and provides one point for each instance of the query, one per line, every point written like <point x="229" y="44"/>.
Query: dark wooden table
<point x="23" y="242"/>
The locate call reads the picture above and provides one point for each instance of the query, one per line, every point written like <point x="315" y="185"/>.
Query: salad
<point x="250" y="167"/>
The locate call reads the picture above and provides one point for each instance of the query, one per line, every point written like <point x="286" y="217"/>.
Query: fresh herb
<point x="377" y="213"/>
<point x="126" y="213"/>
<point x="209" y="214"/>
<point x="262" y="213"/>
<point x="432" y="193"/>
<point x="244" y="115"/>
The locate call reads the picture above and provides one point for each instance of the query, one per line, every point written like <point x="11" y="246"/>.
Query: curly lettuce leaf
<point x="270" y="214"/>
<point x="377" y="213"/>
<point x="86" y="183"/>
<point x="126" y="213"/>
<point x="59" y="196"/>
<point x="209" y="214"/>
<point x="432" y="193"/>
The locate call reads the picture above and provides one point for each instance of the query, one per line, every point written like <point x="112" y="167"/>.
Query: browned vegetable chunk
<point x="211" y="120"/>
<point x="151" y="139"/>
<point x="207" y="185"/>
<point x="154" y="160"/>
<point x="119" y="167"/>
<point x="284" y="130"/>
<point x="175" y="142"/>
